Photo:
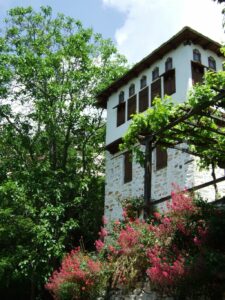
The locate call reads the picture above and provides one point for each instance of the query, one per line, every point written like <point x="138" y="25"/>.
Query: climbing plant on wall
<point x="199" y="122"/>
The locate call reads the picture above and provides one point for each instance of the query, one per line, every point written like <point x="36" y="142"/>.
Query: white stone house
<point x="171" y="69"/>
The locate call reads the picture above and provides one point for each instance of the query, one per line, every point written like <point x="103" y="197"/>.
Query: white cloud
<point x="148" y="23"/>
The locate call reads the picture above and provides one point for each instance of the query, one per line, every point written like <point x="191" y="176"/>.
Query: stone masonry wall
<point x="179" y="171"/>
<point x="182" y="170"/>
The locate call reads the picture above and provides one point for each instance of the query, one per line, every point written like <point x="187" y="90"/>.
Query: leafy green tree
<point x="51" y="142"/>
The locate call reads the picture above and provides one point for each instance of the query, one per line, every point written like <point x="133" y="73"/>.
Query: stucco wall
<point x="182" y="57"/>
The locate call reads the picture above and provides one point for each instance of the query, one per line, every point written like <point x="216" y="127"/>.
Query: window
<point x="143" y="99"/>
<point x="143" y="81"/>
<point x="168" y="64"/>
<point x="156" y="89"/>
<point x="121" y="113"/>
<point x="155" y="73"/>
<point x="127" y="167"/>
<point x="161" y="158"/>
<point x="212" y="63"/>
<point x="196" y="55"/>
<point x="197" y="72"/>
<point x="169" y="82"/>
<point x="121" y="97"/>
<point x="131" y="90"/>
<point x="131" y="106"/>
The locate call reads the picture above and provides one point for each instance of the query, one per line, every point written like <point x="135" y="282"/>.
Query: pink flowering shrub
<point x="79" y="277"/>
<point x="125" y="250"/>
<point x="181" y="252"/>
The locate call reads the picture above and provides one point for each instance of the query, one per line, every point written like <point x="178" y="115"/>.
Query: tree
<point x="219" y="1"/>
<point x="51" y="145"/>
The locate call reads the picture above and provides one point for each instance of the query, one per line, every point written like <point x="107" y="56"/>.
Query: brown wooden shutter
<point x="121" y="114"/>
<point x="127" y="167"/>
<point x="132" y="106"/>
<point x="161" y="158"/>
<point x="169" y="82"/>
<point x="143" y="99"/>
<point x="156" y="89"/>
<point x="197" y="72"/>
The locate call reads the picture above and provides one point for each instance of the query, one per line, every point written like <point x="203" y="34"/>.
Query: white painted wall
<point x="182" y="57"/>
<point x="182" y="168"/>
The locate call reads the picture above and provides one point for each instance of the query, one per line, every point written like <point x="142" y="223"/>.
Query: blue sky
<point x="92" y="13"/>
<point x="136" y="26"/>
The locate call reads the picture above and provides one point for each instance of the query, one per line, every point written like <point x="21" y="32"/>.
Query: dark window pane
<point x="169" y="82"/>
<point x="143" y="99"/>
<point x="131" y="90"/>
<point x="212" y="63"/>
<point x="155" y="73"/>
<point x="131" y="106"/>
<point x="168" y="64"/>
<point x="121" y="114"/>
<point x="161" y="158"/>
<point x="121" y="97"/>
<point x="156" y="89"/>
<point x="197" y="72"/>
<point x="196" y="55"/>
<point x="127" y="167"/>
<point x="143" y="82"/>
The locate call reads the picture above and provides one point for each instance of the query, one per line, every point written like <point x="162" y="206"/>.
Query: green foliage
<point x="181" y="252"/>
<point x="133" y="206"/>
<point x="52" y="137"/>
<point x="164" y="111"/>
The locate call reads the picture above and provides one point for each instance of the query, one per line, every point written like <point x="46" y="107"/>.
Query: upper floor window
<point x="143" y="81"/>
<point x="169" y="82"/>
<point x="197" y="71"/>
<point x="121" y="97"/>
<point x="131" y="90"/>
<point x="212" y="63"/>
<point x="197" y="55"/>
<point x="155" y="73"/>
<point x="168" y="64"/>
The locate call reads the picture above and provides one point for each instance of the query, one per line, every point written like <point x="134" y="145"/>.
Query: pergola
<point x="190" y="124"/>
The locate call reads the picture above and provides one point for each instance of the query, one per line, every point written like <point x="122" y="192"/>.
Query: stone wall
<point x="182" y="170"/>
<point x="115" y="189"/>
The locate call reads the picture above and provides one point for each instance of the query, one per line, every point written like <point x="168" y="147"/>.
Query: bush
<point x="80" y="277"/>
<point x="182" y="253"/>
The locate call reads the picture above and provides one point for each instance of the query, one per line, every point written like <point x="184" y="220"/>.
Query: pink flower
<point x="99" y="245"/>
<point x="94" y="266"/>
<point x="103" y="233"/>
<point x="112" y="249"/>
<point x="166" y="220"/>
<point x="157" y="215"/>
<point x="117" y="222"/>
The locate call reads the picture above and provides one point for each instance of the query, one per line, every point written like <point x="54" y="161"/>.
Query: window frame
<point x="121" y="97"/>
<point x="131" y="106"/>
<point x="121" y="114"/>
<point x="143" y="82"/>
<point x="163" y="155"/>
<point x="197" y="57"/>
<point x="169" y="64"/>
<point x="131" y="89"/>
<point x="212" y="63"/>
<point x="155" y="73"/>
<point x="143" y="99"/>
<point x="155" y="86"/>
<point x="169" y="82"/>
<point x="127" y="167"/>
